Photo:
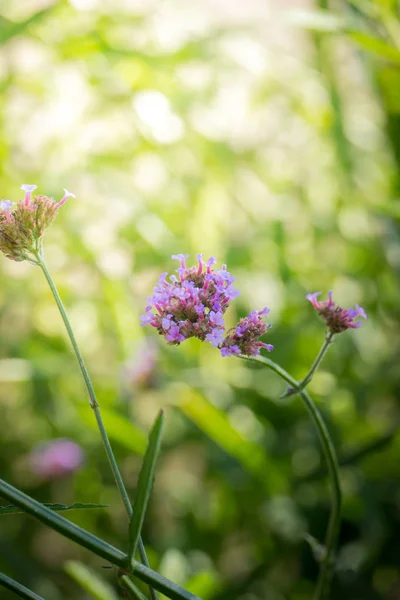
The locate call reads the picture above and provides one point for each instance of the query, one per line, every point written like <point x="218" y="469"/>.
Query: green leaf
<point x="17" y="588"/>
<point x="90" y="581"/>
<point x="119" y="429"/>
<point x="145" y="484"/>
<point x="11" y="509"/>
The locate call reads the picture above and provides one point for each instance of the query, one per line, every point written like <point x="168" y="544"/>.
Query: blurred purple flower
<point x="193" y="305"/>
<point x="141" y="370"/>
<point x="337" y="319"/>
<point x="57" y="458"/>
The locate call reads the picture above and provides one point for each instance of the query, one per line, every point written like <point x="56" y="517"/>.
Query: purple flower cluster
<point x="193" y="305"/>
<point x="337" y="319"/>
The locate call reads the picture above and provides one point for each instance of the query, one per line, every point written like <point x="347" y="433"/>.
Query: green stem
<point x="329" y="451"/>
<point x="324" y="348"/>
<point x="17" y="588"/>
<point x="96" y="545"/>
<point x="95" y="406"/>
<point x="63" y="526"/>
<point x="136" y="593"/>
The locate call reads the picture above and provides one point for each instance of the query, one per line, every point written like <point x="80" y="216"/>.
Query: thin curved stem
<point x="318" y="359"/>
<point x="95" y="406"/>
<point x="329" y="451"/>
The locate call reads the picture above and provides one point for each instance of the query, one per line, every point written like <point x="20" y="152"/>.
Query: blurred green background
<point x="265" y="133"/>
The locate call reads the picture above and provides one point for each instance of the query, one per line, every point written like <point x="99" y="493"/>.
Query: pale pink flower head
<point x="337" y="319"/>
<point x="22" y="224"/>
<point x="57" y="458"/>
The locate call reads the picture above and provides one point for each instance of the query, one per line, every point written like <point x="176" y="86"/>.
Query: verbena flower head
<point x="337" y="319"/>
<point x="193" y="303"/>
<point x="57" y="458"/>
<point x="23" y="223"/>
<point x="244" y="338"/>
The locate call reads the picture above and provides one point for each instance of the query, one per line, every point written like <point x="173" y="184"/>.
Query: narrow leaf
<point x="145" y="484"/>
<point x="11" y="509"/>
<point x="90" y="581"/>
<point x="17" y="588"/>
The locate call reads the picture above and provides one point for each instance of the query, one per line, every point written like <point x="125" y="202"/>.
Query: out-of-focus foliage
<point x="240" y="130"/>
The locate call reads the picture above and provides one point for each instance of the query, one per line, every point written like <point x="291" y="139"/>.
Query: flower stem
<point x="318" y="359"/>
<point x="94" y="405"/>
<point x="85" y="539"/>
<point x="325" y="575"/>
<point x="327" y="342"/>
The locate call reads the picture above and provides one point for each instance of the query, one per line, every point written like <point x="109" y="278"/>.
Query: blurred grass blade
<point x="136" y="593"/>
<point x="145" y="484"/>
<point x="216" y="425"/>
<point x="119" y="429"/>
<point x="90" y="581"/>
<point x="10" y="29"/>
<point x="376" y="46"/>
<point x="11" y="509"/>
<point x="17" y="588"/>
<point x="205" y="584"/>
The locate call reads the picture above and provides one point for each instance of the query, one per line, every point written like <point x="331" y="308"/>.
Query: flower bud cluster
<point x="337" y="319"/>
<point x="23" y="223"/>
<point x="193" y="305"/>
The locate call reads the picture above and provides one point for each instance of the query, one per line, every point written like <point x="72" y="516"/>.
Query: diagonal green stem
<point x="306" y="380"/>
<point x="18" y="588"/>
<point x="329" y="451"/>
<point x="96" y="545"/>
<point x="94" y="405"/>
<point x="324" y="348"/>
<point x="63" y="526"/>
